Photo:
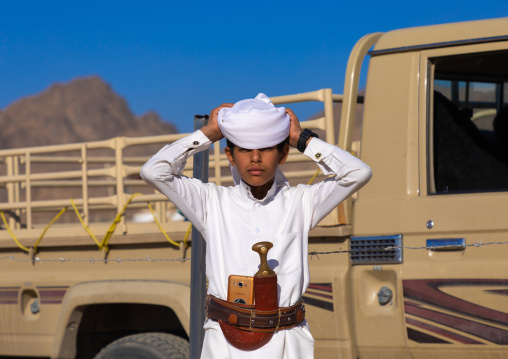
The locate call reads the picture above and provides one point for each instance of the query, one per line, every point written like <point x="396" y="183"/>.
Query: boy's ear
<point x="284" y="154"/>
<point x="229" y="155"/>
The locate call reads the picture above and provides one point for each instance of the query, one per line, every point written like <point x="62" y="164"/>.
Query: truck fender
<point x="174" y="295"/>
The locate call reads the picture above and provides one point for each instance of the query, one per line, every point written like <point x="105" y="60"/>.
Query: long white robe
<point x="231" y="220"/>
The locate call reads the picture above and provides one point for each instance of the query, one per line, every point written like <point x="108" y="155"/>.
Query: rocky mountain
<point x="85" y="109"/>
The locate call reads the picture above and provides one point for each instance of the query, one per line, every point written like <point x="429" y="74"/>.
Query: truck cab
<point x="434" y="133"/>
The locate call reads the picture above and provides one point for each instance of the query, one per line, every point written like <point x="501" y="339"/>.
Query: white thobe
<point x="231" y="220"/>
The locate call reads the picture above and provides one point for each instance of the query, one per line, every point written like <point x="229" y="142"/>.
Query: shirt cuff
<point x="196" y="140"/>
<point x="318" y="149"/>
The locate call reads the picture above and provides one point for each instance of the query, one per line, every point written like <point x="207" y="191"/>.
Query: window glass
<point x="469" y="124"/>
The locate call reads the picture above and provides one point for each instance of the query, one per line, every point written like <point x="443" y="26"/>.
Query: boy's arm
<point x="163" y="171"/>
<point x="350" y="173"/>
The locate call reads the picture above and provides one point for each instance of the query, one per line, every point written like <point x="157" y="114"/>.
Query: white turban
<point x="254" y="123"/>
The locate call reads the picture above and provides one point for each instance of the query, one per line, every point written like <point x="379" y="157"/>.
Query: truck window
<point x="469" y="149"/>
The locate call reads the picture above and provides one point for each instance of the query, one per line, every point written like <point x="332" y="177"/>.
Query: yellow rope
<point x="160" y="226"/>
<point x="12" y="234"/>
<point x="47" y="227"/>
<point x="187" y="236"/>
<point x="314" y="177"/>
<point x="84" y="225"/>
<point x="111" y="230"/>
<point x="107" y="236"/>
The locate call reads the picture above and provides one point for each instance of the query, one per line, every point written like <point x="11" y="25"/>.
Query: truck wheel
<point x="146" y="346"/>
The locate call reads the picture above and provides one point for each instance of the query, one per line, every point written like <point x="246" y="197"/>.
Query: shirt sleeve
<point x="164" y="172"/>
<point x="349" y="175"/>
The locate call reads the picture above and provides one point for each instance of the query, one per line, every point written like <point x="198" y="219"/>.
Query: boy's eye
<point x="267" y="149"/>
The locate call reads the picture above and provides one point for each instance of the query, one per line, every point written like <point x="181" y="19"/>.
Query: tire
<point x="146" y="346"/>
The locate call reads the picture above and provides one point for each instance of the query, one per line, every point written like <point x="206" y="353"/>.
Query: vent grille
<point x="371" y="250"/>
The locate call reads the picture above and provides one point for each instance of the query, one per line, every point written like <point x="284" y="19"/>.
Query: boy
<point x="260" y="207"/>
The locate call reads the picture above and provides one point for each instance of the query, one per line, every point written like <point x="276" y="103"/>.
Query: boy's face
<point x="257" y="167"/>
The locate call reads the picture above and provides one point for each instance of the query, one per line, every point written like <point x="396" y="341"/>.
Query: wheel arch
<point x="172" y="295"/>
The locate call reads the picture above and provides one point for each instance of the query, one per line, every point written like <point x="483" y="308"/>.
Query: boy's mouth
<point x="256" y="171"/>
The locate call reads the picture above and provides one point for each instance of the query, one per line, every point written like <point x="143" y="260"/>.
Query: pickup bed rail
<point x="95" y="190"/>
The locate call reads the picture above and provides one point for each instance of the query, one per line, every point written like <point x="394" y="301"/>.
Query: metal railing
<point x="101" y="176"/>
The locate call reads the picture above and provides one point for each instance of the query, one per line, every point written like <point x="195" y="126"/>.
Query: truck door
<point x="455" y="233"/>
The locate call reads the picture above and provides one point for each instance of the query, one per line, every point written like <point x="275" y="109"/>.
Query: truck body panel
<point x="447" y="291"/>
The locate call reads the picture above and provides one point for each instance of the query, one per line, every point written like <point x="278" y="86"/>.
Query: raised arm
<point x="349" y="173"/>
<point x="164" y="171"/>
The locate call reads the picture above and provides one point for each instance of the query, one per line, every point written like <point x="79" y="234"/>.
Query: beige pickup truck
<point x="94" y="263"/>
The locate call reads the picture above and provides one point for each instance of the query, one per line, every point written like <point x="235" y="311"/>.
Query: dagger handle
<point x="262" y="249"/>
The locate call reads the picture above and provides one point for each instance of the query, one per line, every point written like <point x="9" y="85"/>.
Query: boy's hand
<point x="294" y="128"/>
<point x="212" y="130"/>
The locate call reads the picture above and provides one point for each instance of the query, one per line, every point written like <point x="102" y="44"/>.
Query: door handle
<point x="446" y="244"/>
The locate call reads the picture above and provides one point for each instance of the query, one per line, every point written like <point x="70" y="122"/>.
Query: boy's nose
<point x="255" y="156"/>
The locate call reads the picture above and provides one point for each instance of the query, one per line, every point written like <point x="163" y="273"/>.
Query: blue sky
<point x="180" y="58"/>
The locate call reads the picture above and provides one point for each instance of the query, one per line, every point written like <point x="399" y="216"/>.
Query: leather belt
<point x="245" y="317"/>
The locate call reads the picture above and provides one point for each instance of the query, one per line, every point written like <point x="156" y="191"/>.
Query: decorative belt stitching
<point x="246" y="317"/>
